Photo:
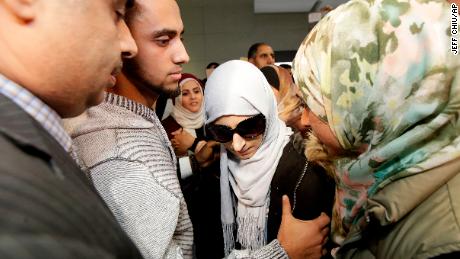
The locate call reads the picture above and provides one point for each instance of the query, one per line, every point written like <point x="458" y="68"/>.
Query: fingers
<point x="212" y="143"/>
<point x="323" y="220"/>
<point x="326" y="237"/>
<point x="325" y="232"/>
<point x="286" y="207"/>
<point x="316" y="252"/>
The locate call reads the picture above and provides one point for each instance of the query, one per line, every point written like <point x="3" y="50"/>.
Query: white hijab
<point x="187" y="119"/>
<point x="239" y="88"/>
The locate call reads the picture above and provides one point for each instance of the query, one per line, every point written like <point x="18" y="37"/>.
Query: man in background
<point x="261" y="54"/>
<point x="57" y="56"/>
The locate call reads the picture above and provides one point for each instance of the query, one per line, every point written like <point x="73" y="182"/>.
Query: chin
<point x="171" y="90"/>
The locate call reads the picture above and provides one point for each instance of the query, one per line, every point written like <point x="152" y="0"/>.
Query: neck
<point x="128" y="89"/>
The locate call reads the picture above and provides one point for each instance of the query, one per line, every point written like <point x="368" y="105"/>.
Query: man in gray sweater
<point x="126" y="152"/>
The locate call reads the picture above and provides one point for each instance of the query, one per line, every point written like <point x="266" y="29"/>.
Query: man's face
<point x="157" y="29"/>
<point x="264" y="56"/>
<point x="80" y="52"/>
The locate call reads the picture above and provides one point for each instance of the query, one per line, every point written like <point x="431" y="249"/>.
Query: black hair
<point x="287" y="66"/>
<point x="253" y="49"/>
<point x="271" y="76"/>
<point x="212" y="65"/>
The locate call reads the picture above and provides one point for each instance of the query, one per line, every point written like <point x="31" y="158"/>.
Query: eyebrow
<point x="167" y="32"/>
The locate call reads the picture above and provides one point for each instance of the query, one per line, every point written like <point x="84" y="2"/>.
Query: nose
<point x="305" y="118"/>
<point x="127" y="44"/>
<point x="271" y="60"/>
<point x="180" y="54"/>
<point x="238" y="142"/>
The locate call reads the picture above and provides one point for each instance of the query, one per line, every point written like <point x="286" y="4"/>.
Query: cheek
<point x="325" y="135"/>
<point x="255" y="143"/>
<point x="200" y="101"/>
<point x="148" y="57"/>
<point x="186" y="103"/>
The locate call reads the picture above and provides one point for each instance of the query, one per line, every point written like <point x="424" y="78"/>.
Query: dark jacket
<point x="313" y="189"/>
<point x="48" y="209"/>
<point x="202" y="195"/>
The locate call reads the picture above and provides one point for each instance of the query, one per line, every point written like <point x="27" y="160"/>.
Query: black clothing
<point x="48" y="208"/>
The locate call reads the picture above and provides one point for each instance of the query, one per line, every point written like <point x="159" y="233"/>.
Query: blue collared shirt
<point x="41" y="112"/>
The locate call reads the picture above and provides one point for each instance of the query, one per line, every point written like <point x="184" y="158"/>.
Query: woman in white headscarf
<point x="259" y="164"/>
<point x="187" y="115"/>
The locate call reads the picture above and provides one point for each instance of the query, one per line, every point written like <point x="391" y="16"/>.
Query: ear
<point x="23" y="10"/>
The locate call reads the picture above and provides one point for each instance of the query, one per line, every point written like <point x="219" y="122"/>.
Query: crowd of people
<point x="111" y="150"/>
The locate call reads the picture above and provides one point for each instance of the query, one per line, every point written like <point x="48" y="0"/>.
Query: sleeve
<point x="271" y="251"/>
<point x="185" y="167"/>
<point x="147" y="211"/>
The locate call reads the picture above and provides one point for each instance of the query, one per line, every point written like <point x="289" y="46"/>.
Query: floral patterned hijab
<point x="382" y="76"/>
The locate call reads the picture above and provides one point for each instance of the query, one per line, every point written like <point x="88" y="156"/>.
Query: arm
<point x="273" y="250"/>
<point x="192" y="164"/>
<point x="296" y="238"/>
<point x="147" y="211"/>
<point x="182" y="141"/>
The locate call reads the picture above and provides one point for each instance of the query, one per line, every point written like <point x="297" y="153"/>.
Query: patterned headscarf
<point x="382" y="76"/>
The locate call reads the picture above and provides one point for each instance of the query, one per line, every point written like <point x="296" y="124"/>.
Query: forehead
<point x="157" y="15"/>
<point x="264" y="49"/>
<point x="190" y="85"/>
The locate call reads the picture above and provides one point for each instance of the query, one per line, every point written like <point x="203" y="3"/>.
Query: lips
<point x="176" y="75"/>
<point x="113" y="80"/>
<point x="244" y="153"/>
<point x="117" y="70"/>
<point x="113" y="75"/>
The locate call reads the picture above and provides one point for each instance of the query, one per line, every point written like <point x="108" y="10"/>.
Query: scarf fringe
<point x="229" y="240"/>
<point x="250" y="235"/>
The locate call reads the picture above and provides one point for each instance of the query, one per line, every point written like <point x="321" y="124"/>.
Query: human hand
<point x="181" y="141"/>
<point x="200" y="145"/>
<point x="205" y="156"/>
<point x="302" y="238"/>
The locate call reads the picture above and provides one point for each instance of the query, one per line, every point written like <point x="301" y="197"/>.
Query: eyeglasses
<point x="248" y="129"/>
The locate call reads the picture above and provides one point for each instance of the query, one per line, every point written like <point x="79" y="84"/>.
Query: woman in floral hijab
<point x="383" y="88"/>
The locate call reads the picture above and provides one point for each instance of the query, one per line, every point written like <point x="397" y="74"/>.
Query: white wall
<point x="220" y="30"/>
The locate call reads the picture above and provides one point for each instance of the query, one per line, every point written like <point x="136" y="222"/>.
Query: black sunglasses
<point x="248" y="129"/>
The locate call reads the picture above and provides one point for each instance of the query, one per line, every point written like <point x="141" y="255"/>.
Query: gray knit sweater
<point x="125" y="151"/>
